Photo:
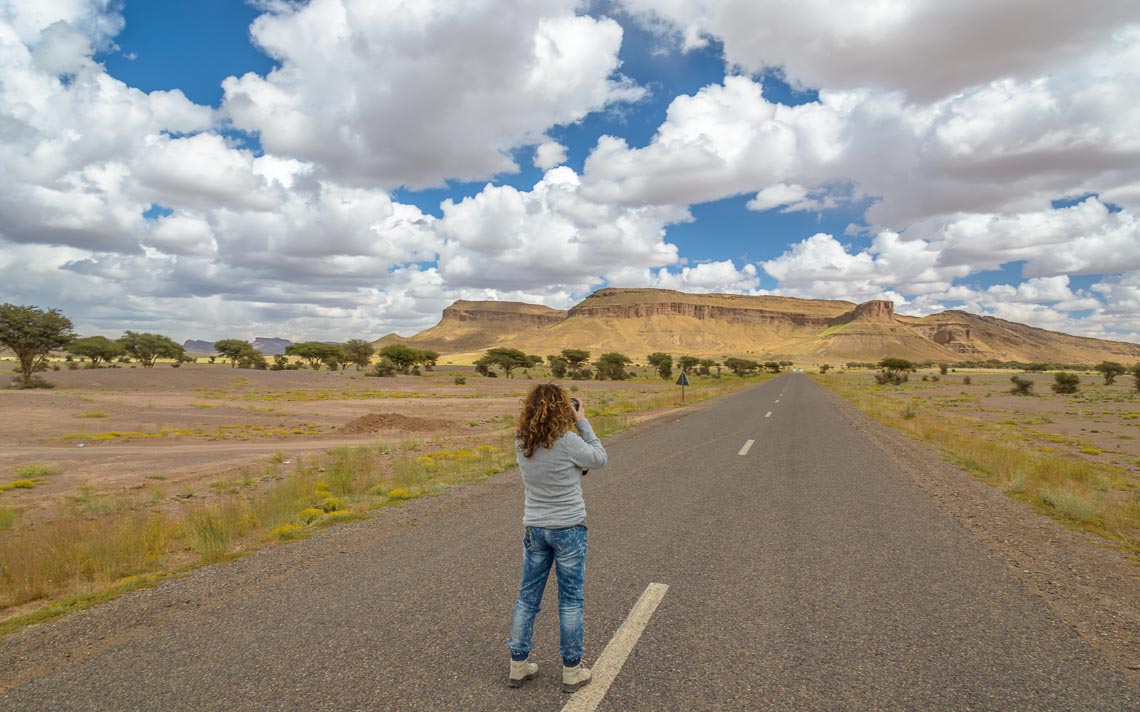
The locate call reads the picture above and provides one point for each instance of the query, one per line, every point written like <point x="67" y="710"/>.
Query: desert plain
<point x="145" y="432"/>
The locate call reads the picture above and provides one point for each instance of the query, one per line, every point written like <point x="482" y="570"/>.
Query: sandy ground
<point x="180" y="429"/>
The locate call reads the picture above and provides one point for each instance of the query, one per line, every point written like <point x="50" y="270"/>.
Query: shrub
<point x="287" y="532"/>
<point x="1021" y="386"/>
<point x="891" y="377"/>
<point x="30" y="382"/>
<point x="386" y="368"/>
<point x="33" y="470"/>
<point x="213" y="528"/>
<point x="1069" y="503"/>
<point x="17" y="484"/>
<point x="1065" y="382"/>
<point x="460" y="380"/>
<point x="400" y="493"/>
<point x="1110" y="370"/>
<point x="8" y="516"/>
<point x="966" y="381"/>
<point x="309" y="515"/>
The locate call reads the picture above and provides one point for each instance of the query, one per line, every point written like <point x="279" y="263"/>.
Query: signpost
<point x="682" y="382"/>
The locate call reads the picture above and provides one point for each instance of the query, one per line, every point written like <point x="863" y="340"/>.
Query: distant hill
<point x="472" y="326"/>
<point x="640" y="321"/>
<point x="195" y="346"/>
<point x="271" y="346"/>
<point x="267" y="346"/>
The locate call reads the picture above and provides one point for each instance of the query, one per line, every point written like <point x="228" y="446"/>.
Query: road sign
<point x="682" y="382"/>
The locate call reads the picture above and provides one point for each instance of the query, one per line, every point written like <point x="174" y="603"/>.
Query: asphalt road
<point x="809" y="573"/>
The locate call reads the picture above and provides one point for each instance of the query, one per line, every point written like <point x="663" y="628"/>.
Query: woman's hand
<point x="579" y="409"/>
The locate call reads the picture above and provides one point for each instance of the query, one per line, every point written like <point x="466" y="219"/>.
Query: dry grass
<point x="32" y="470"/>
<point x="8" y="516"/>
<point x="1080" y="493"/>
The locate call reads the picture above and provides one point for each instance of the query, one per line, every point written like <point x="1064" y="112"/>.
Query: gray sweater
<point x="553" y="478"/>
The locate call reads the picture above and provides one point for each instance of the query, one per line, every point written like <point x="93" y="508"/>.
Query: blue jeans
<point x="566" y="549"/>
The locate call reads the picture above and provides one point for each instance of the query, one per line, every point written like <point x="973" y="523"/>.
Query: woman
<point x="552" y="460"/>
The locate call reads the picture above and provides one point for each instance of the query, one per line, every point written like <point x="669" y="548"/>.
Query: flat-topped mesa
<point x="879" y="311"/>
<point x="617" y="303"/>
<point x="513" y="312"/>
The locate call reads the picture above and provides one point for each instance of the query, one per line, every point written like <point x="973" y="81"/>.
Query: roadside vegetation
<point x="1038" y="448"/>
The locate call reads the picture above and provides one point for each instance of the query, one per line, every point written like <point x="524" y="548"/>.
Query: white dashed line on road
<point x="608" y="665"/>
<point x="768" y="414"/>
<point x="777" y="400"/>
<point x="747" y="446"/>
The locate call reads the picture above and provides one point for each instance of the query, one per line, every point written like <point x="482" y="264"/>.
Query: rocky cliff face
<point x="876" y="311"/>
<point x="512" y="312"/>
<point x="701" y="312"/>
<point x="730" y="308"/>
<point x="641" y="321"/>
<point x="750" y="310"/>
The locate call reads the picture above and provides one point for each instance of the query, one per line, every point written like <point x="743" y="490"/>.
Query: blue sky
<point x="341" y="168"/>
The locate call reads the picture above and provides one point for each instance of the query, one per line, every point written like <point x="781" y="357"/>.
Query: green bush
<point x="1066" y="382"/>
<point x="1021" y="386"/>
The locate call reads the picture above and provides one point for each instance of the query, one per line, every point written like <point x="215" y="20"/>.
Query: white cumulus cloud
<point x="414" y="94"/>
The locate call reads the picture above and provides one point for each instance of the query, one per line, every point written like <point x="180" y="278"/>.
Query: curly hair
<point x="546" y="415"/>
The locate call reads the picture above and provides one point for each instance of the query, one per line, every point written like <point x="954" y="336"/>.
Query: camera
<point x="574" y="402"/>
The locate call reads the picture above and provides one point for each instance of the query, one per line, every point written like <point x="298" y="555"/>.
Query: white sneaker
<point x="521" y="672"/>
<point x="575" y="677"/>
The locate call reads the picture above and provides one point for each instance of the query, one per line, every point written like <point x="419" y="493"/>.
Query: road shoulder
<point x="1092" y="588"/>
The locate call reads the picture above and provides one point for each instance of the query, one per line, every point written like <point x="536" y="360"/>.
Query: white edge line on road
<point x="747" y="446"/>
<point x="768" y="414"/>
<point x="608" y="665"/>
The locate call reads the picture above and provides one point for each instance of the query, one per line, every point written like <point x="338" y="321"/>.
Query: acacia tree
<point x="688" y="364"/>
<point x="506" y="359"/>
<point x="96" y="348"/>
<point x="312" y="352"/>
<point x="148" y="348"/>
<point x="612" y="366"/>
<point x="234" y="350"/>
<point x="358" y="352"/>
<point x="1110" y="370"/>
<point x="557" y="365"/>
<point x="576" y="362"/>
<point x="894" y="371"/>
<point x="741" y="366"/>
<point x="663" y="362"/>
<point x="32" y="333"/>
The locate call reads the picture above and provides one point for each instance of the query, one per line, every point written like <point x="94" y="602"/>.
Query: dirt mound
<point x="375" y="422"/>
